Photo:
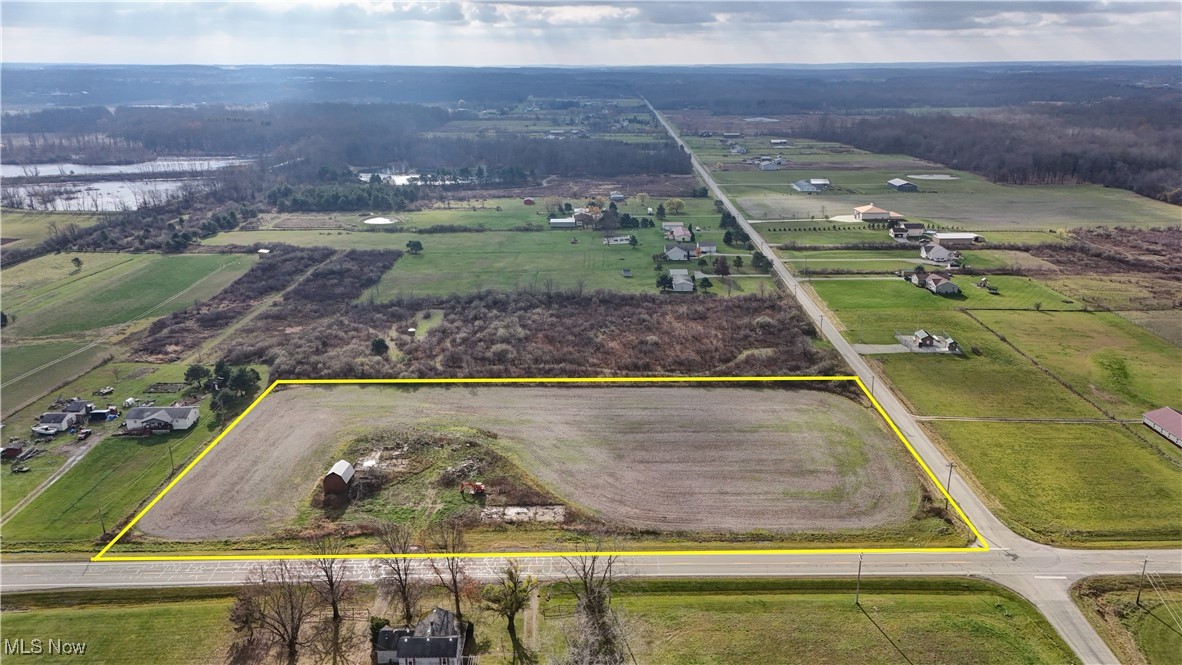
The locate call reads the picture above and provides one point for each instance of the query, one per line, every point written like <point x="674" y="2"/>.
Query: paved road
<point x="1047" y="591"/>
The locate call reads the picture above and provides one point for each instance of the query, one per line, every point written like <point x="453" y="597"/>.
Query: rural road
<point x="1048" y="591"/>
<point x="1040" y="573"/>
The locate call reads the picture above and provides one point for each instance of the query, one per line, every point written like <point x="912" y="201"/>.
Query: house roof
<point x="166" y="413"/>
<point x="670" y="248"/>
<point x="54" y="417"/>
<point x="818" y="181"/>
<point x="897" y="181"/>
<point x="922" y="333"/>
<point x="428" y="647"/>
<point x="563" y="220"/>
<point x="869" y="208"/>
<point x="77" y="405"/>
<point x="1167" y="419"/>
<point x="387" y="639"/>
<point x="804" y="186"/>
<point x="439" y="622"/>
<point x="707" y="245"/>
<point x="342" y="469"/>
<point x="913" y="225"/>
<point x="954" y="236"/>
<point x="676" y="272"/>
<point x="682" y="279"/>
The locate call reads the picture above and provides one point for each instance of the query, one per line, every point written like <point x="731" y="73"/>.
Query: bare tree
<point x="447" y="537"/>
<point x="282" y="603"/>
<point x="508" y="597"/>
<point x="329" y="580"/>
<point x="400" y="578"/>
<point x="596" y="637"/>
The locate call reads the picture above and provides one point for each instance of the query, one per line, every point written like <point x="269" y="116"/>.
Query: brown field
<point x="660" y="458"/>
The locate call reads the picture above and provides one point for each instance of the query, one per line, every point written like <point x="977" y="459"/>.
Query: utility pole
<point x="102" y="520"/>
<point x="1141" y="582"/>
<point x="858" y="591"/>
<point x="171" y="463"/>
<point x="948" y="485"/>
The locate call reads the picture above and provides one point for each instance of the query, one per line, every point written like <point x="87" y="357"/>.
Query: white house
<point x="57" y="421"/>
<point x="162" y="417"/>
<point x="941" y="284"/>
<point x="681" y="280"/>
<point x="677" y="253"/>
<point x="938" y="253"/>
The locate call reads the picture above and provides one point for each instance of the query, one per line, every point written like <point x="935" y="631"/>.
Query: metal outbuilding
<point x="337" y="480"/>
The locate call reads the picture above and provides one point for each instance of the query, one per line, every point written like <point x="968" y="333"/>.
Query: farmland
<point x="1125" y="369"/>
<point x="1140" y="634"/>
<point x="1084" y="485"/>
<point x="1013" y="293"/>
<point x="134" y="288"/>
<point x="21" y="384"/>
<point x="26" y="228"/>
<point x="811" y="477"/>
<point x="815" y="621"/>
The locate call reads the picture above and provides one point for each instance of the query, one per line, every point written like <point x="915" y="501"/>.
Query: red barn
<point x="338" y="478"/>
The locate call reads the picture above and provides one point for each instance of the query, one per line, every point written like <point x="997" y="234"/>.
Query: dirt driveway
<point x="660" y="458"/>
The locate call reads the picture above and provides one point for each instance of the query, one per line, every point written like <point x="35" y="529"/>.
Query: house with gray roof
<point x="162" y="417"/>
<point x="436" y="640"/>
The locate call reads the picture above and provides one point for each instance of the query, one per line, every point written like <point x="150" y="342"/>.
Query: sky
<point x="637" y="32"/>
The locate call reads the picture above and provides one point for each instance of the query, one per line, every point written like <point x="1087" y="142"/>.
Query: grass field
<point x="1139" y="635"/>
<point x="816" y="621"/>
<point x="29" y="228"/>
<point x="1073" y="485"/>
<point x="1112" y="361"/>
<point x="1166" y="324"/>
<point x="1120" y="292"/>
<point x="17" y="360"/>
<point x="141" y="286"/>
<point x="1014" y="293"/>
<point x="165" y="627"/>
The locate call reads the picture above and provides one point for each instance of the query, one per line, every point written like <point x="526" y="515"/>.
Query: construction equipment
<point x="472" y="489"/>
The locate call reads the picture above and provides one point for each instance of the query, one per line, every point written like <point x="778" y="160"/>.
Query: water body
<point x="106" y="195"/>
<point x="163" y="165"/>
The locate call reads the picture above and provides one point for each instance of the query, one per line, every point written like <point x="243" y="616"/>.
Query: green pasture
<point x="1145" y="632"/>
<point x="183" y="627"/>
<point x="26" y="228"/>
<point x="1013" y="293"/>
<point x="1073" y="485"/>
<point x="144" y="286"/>
<point x="17" y="360"/>
<point x="1123" y="368"/>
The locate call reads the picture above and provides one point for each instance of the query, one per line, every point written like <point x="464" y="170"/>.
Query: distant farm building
<point x="820" y="183"/>
<point x="778" y="142"/>
<point x="939" y="253"/>
<point x="769" y="166"/>
<point x="617" y="240"/>
<point x="947" y="239"/>
<point x="732" y="135"/>
<point x="872" y="213"/>
<point x="616" y="196"/>
<point x="528" y="201"/>
<point x="166" y="418"/>
<point x="338" y="478"/>
<point x="923" y="338"/>
<point x="805" y="187"/>
<point x="78" y="406"/>
<point x="57" y="421"/>
<point x="564" y="223"/>
<point x="679" y="234"/>
<point x="677" y="252"/>
<point x="1166" y="422"/>
<point x="901" y="185"/>
<point x="682" y="282"/>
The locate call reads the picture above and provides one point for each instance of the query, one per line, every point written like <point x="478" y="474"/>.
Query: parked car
<point x="84" y="434"/>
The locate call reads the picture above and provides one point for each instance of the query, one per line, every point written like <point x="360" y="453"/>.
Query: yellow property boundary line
<point x="983" y="547"/>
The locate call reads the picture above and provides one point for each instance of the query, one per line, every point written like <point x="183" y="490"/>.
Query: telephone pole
<point x="1141" y="582"/>
<point x="948" y="485"/>
<point x="858" y="591"/>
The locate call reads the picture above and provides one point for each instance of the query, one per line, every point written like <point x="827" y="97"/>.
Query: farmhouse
<point x="679" y="234"/>
<point x="947" y="239"/>
<point x="704" y="249"/>
<point x="617" y="240"/>
<point x="436" y="640"/>
<point x="564" y="223"/>
<point x="938" y="253"/>
<point x="682" y="282"/>
<point x="57" y="421"/>
<point x="338" y="478"/>
<point x="162" y="417"/>
<point x="1166" y="422"/>
<point x="805" y="187"/>
<point x="872" y="213"/>
<point x="901" y="185"/>
<point x="677" y="252"/>
<point x="768" y="166"/>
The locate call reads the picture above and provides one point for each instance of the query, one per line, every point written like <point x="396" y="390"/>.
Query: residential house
<point x="769" y="166"/>
<point x="57" y="421"/>
<point x="338" y="478"/>
<point x="872" y="213"/>
<point x="738" y="150"/>
<point x="938" y="253"/>
<point x="677" y="252"/>
<point x="952" y="240"/>
<point x="162" y="418"/>
<point x="583" y="219"/>
<point x="901" y="185"/>
<point x="564" y="223"/>
<point x="940" y="283"/>
<point x="906" y="230"/>
<point x="668" y="226"/>
<point x="679" y="234"/>
<point x="682" y="282"/>
<point x="805" y="187"/>
<point x="1166" y="422"/>
<point x="79" y="407"/>
<point x="436" y="640"/>
<point x="705" y="249"/>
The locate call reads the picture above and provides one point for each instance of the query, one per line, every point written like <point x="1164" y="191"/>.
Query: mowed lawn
<point x="26" y="228"/>
<point x="1112" y="361"/>
<point x="816" y="621"/>
<point x="144" y="286"/>
<point x="177" y="631"/>
<point x="1013" y="293"/>
<point x="1074" y="484"/>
